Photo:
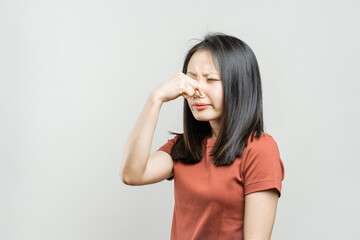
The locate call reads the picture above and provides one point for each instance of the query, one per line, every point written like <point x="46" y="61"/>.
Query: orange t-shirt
<point x="210" y="200"/>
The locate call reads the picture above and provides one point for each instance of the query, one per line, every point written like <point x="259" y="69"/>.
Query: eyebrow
<point x="204" y="73"/>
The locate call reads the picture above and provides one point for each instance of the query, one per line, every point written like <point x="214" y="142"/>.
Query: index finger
<point x="194" y="84"/>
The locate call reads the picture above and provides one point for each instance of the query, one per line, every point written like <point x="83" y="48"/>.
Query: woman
<point x="227" y="171"/>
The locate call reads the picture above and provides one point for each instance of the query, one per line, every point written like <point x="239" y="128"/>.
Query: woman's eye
<point x="212" y="79"/>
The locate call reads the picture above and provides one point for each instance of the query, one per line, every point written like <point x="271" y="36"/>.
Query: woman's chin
<point x="201" y="118"/>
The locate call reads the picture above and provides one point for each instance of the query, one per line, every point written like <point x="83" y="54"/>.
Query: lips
<point x="200" y="104"/>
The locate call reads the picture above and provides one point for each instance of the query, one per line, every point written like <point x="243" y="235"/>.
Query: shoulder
<point x="169" y="144"/>
<point x="171" y="141"/>
<point x="265" y="143"/>
<point x="176" y="138"/>
<point x="262" y="167"/>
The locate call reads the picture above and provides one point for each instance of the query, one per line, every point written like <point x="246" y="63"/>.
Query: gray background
<point x="75" y="76"/>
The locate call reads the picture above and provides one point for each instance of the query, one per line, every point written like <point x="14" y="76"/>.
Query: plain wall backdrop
<point x="74" y="76"/>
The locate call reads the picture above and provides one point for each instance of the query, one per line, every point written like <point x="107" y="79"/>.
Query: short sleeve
<point x="263" y="168"/>
<point x="167" y="148"/>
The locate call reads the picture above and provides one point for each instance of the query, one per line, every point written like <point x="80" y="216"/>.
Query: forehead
<point x="202" y="60"/>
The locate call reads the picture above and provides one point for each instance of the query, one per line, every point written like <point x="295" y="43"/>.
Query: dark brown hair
<point x="242" y="113"/>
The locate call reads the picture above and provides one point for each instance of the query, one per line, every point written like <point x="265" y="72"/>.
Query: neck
<point x="215" y="129"/>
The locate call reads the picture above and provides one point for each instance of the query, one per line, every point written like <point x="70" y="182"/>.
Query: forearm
<point x="138" y="144"/>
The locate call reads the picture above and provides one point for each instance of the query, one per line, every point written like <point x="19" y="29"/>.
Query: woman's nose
<point x="201" y="88"/>
<point x="202" y="85"/>
<point x="197" y="94"/>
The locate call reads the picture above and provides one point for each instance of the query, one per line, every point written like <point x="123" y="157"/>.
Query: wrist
<point x="155" y="97"/>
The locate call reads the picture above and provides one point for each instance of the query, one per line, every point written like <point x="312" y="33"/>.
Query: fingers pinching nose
<point x="201" y="94"/>
<point x="198" y="94"/>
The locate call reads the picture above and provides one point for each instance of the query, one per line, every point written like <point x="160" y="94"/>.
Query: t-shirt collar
<point x="209" y="142"/>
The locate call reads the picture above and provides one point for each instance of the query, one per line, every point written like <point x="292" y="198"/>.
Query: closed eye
<point x="212" y="79"/>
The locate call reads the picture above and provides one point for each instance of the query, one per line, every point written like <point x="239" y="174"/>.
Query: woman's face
<point x="202" y="68"/>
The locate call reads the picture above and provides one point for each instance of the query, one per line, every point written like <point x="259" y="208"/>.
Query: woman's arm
<point x="138" y="166"/>
<point x="260" y="211"/>
<point x="138" y="145"/>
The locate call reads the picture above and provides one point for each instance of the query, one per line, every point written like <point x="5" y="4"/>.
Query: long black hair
<point x="242" y="113"/>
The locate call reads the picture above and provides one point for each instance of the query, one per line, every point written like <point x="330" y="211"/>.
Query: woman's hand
<point x="179" y="85"/>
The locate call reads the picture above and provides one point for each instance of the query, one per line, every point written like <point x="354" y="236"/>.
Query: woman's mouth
<point x="201" y="106"/>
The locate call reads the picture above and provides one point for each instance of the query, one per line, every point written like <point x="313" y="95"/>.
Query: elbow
<point x="129" y="176"/>
<point x="123" y="176"/>
<point x="125" y="179"/>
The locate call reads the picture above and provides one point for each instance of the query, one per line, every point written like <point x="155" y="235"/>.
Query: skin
<point x="260" y="212"/>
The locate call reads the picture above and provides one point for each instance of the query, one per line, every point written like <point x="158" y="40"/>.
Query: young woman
<point x="227" y="171"/>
